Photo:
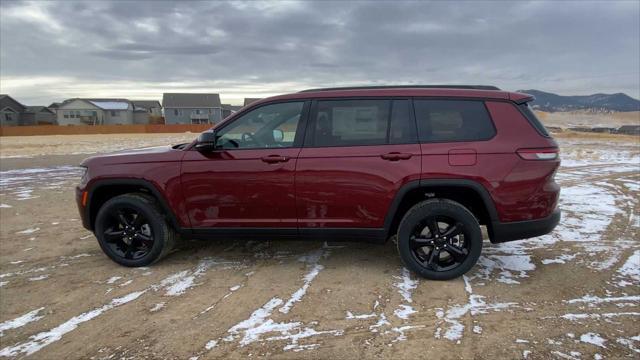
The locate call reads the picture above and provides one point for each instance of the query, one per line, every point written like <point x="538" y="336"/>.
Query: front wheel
<point x="132" y="231"/>
<point x="439" y="239"/>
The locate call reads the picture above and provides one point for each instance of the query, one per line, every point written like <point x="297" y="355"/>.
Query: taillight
<point x="539" y="154"/>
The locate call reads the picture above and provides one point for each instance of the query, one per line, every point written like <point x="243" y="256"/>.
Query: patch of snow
<point x="297" y="296"/>
<point x="29" y="231"/>
<point x="21" y="320"/>
<point x="5" y="206"/>
<point x="126" y="283"/>
<point x="562" y="259"/>
<point x="45" y="338"/>
<point x="404" y="311"/>
<point x="38" y="278"/>
<point x="350" y="316"/>
<point x="157" y="307"/>
<point x="594" y="339"/>
<point x="583" y="316"/>
<point x="211" y="344"/>
<point x="113" y="279"/>
<point x="631" y="268"/>
<point x="234" y="288"/>
<point x="522" y="341"/>
<point x="599" y="300"/>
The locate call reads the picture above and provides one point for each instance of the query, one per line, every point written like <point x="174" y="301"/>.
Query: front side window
<point x="269" y="126"/>
<point x="453" y="120"/>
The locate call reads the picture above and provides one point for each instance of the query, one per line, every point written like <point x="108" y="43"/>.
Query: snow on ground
<point x="21" y="321"/>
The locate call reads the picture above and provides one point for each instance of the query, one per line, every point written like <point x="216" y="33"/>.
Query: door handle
<point x="272" y="159"/>
<point x="395" y="156"/>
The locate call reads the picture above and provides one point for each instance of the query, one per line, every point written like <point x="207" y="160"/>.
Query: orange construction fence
<point x="100" y="129"/>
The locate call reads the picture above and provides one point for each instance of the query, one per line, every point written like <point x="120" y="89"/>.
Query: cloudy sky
<point x="56" y="50"/>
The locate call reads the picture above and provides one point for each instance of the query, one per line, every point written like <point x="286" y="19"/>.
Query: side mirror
<point x="278" y="135"/>
<point x="206" y="141"/>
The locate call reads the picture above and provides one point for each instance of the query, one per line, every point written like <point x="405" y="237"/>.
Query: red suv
<point x="427" y="164"/>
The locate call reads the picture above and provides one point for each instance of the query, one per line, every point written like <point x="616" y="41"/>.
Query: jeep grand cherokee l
<point x="426" y="164"/>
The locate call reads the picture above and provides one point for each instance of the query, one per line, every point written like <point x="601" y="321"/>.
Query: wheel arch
<point x="103" y="190"/>
<point x="471" y="194"/>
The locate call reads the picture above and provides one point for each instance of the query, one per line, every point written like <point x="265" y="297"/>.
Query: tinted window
<point x="351" y="122"/>
<point x="453" y="120"/>
<point x="403" y="128"/>
<point x="268" y="126"/>
<point x="533" y="119"/>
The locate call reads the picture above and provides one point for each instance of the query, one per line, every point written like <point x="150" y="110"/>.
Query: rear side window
<point x="533" y="119"/>
<point x="363" y="122"/>
<point x="453" y="120"/>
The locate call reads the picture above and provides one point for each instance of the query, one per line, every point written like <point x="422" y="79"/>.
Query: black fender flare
<point x="426" y="183"/>
<point x="142" y="183"/>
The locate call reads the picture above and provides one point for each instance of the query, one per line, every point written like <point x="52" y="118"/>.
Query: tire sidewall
<point x="439" y="208"/>
<point x="155" y="221"/>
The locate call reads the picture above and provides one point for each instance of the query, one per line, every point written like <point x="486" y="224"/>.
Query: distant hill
<point x="597" y="102"/>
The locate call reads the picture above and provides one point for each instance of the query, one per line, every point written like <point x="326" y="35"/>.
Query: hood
<point x="141" y="155"/>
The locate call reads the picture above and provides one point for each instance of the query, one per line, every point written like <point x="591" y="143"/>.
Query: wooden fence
<point x="100" y="129"/>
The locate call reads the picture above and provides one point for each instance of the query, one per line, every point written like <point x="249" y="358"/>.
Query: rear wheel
<point x="132" y="231"/>
<point x="439" y="239"/>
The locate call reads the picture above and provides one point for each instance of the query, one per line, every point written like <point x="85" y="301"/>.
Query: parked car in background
<point x="428" y="165"/>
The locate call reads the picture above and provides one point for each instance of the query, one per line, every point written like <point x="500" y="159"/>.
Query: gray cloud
<point x="55" y="50"/>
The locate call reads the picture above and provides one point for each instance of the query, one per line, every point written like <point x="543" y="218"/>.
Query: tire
<point x="455" y="242"/>
<point x="140" y="244"/>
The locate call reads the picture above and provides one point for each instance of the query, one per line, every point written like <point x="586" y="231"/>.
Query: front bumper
<point x="84" y="216"/>
<point x="509" y="231"/>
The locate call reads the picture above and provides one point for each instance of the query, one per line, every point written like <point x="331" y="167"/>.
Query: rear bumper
<point x="509" y="231"/>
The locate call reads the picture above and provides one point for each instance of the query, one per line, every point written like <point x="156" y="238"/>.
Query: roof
<point x="2" y="96"/>
<point x="232" y="107"/>
<point x="405" y="92"/>
<point x="104" y="104"/>
<point x="35" y="109"/>
<point x="54" y="105"/>
<point x="110" y="105"/>
<point x="146" y="104"/>
<point x="190" y="100"/>
<point x="248" y="101"/>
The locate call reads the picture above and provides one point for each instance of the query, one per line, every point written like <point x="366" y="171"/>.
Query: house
<point x="629" y="130"/>
<point x="95" y="112"/>
<point x="248" y="101"/>
<point x="38" y="115"/>
<point x="147" y="112"/>
<point x="10" y="111"/>
<point x="228" y="109"/>
<point x="182" y="108"/>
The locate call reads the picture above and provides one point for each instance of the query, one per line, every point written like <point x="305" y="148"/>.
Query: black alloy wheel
<point x="132" y="230"/>
<point x="438" y="243"/>
<point x="439" y="239"/>
<point x="128" y="233"/>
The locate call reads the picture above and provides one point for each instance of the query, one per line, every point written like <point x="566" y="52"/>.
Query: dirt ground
<point x="573" y="294"/>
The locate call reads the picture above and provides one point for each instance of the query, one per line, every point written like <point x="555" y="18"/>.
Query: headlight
<point x="84" y="178"/>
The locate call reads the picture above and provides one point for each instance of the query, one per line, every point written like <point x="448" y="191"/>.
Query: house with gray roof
<point x="146" y="111"/>
<point x="10" y="111"/>
<point x="95" y="112"/>
<point x="228" y="109"/>
<point x="38" y="115"/>
<point x="248" y="101"/>
<point x="183" y="108"/>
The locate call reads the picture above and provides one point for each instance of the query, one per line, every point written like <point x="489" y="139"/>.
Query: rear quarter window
<point x="533" y="119"/>
<point x="453" y="120"/>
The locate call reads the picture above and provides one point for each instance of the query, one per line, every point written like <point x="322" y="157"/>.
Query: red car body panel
<point x="351" y="186"/>
<point x="340" y="187"/>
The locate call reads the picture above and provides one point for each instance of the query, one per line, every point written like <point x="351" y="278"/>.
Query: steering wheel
<point x="248" y="137"/>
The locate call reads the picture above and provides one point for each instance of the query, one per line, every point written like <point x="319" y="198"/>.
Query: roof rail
<point x="468" y="87"/>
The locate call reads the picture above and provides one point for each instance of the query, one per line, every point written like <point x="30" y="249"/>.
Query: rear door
<point x="357" y="154"/>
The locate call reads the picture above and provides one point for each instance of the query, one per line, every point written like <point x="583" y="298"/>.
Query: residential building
<point x="147" y="112"/>
<point x="10" y="111"/>
<point x="228" y="109"/>
<point x="95" y="112"/>
<point x="38" y="115"/>
<point x="248" y="101"/>
<point x="183" y="108"/>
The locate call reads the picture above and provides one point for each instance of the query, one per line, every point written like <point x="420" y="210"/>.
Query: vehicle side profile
<point x="428" y="165"/>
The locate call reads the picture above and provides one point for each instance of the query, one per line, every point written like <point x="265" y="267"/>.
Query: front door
<point x="249" y="180"/>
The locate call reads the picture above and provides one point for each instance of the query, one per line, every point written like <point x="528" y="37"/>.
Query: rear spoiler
<point x="520" y="98"/>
